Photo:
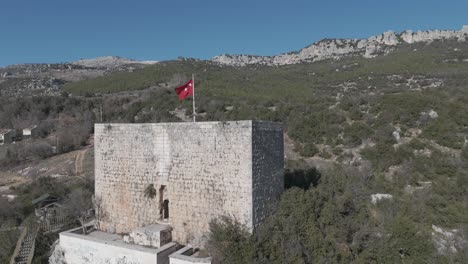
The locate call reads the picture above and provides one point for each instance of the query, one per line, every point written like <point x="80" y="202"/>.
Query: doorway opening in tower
<point x="166" y="209"/>
<point x="163" y="204"/>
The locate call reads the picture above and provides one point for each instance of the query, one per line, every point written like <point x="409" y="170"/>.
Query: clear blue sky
<point x="66" y="30"/>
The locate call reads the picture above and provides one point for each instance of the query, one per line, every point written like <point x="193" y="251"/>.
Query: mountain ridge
<point x="327" y="48"/>
<point x="109" y="62"/>
<point x="49" y="78"/>
<point x="96" y="62"/>
<point x="336" y="48"/>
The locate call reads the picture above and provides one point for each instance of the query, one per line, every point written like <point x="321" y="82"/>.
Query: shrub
<point x="464" y="154"/>
<point x="301" y="178"/>
<point x="408" y="242"/>
<point x="355" y="133"/>
<point x="41" y="149"/>
<point x="325" y="154"/>
<point x="8" y="241"/>
<point x="150" y="191"/>
<point x="416" y="144"/>
<point x="307" y="149"/>
<point x="230" y="242"/>
<point x="337" y="151"/>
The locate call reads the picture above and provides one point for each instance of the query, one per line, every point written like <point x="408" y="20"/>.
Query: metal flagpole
<point x="193" y="84"/>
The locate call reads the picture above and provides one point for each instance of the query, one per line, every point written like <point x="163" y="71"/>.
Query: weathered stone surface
<point x="433" y="114"/>
<point x="396" y="135"/>
<point x="99" y="247"/>
<point x="58" y="254"/>
<point x="151" y="236"/>
<point x="380" y="196"/>
<point x="109" y="62"/>
<point x="448" y="241"/>
<point x="209" y="169"/>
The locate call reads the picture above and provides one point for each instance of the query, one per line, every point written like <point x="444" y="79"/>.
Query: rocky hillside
<point x="378" y="144"/>
<point x="48" y="79"/>
<point x="337" y="48"/>
<point x="109" y="62"/>
<point x="395" y="124"/>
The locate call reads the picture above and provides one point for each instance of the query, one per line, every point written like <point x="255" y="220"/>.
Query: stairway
<point x="26" y="250"/>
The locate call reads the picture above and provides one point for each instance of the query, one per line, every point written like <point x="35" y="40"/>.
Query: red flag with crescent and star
<point x="185" y="90"/>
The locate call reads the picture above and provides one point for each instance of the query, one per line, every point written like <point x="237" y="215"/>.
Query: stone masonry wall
<point x="211" y="176"/>
<point x="127" y="159"/>
<point x="206" y="167"/>
<point x="267" y="166"/>
<point x="209" y="169"/>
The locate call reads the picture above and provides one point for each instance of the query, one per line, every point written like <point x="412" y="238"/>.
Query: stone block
<point x="153" y="236"/>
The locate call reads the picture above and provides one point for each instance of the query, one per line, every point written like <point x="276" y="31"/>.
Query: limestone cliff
<point x="337" y="48"/>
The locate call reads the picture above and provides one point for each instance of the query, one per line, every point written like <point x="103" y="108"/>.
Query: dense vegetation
<point x="20" y="212"/>
<point x="329" y="102"/>
<point x="347" y="111"/>
<point x="333" y="222"/>
<point x="64" y="123"/>
<point x="394" y="124"/>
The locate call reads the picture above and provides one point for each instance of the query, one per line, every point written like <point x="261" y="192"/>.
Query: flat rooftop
<point x="194" y="124"/>
<point x="112" y="239"/>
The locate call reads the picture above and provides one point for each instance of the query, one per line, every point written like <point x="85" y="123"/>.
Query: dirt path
<point x="79" y="161"/>
<point x="79" y="169"/>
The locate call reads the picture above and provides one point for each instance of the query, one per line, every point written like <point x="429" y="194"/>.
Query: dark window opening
<point x="166" y="209"/>
<point x="161" y="201"/>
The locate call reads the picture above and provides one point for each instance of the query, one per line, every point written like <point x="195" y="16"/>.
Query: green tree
<point x="230" y="242"/>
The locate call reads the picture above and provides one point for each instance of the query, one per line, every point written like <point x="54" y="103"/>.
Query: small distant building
<point x="46" y="206"/>
<point x="9" y="197"/>
<point x="7" y="136"/>
<point x="44" y="200"/>
<point x="30" y="132"/>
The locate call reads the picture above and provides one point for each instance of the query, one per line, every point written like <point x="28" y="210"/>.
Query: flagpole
<point x="193" y="83"/>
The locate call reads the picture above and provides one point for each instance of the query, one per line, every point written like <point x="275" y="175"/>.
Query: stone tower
<point x="199" y="171"/>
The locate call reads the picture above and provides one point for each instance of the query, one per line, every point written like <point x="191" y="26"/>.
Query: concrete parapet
<point x="187" y="255"/>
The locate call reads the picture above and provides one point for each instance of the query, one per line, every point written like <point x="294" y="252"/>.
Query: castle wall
<point x="211" y="177"/>
<point x="208" y="169"/>
<point x="267" y="168"/>
<point x="126" y="161"/>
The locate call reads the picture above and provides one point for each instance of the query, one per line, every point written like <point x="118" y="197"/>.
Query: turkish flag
<point x="185" y="90"/>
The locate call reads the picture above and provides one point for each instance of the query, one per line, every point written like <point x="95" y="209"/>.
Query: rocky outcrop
<point x="337" y="48"/>
<point x="49" y="78"/>
<point x="380" y="196"/>
<point x="325" y="49"/>
<point x="448" y="241"/>
<point x="409" y="36"/>
<point x="110" y="62"/>
<point x="58" y="255"/>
